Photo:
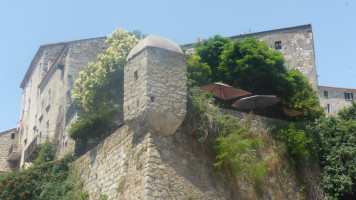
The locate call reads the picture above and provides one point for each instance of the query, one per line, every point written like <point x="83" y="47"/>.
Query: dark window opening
<point x="326" y="94"/>
<point x="25" y="141"/>
<point x="12" y="136"/>
<point x="152" y="98"/>
<point x="348" y="96"/>
<point x="278" y="45"/>
<point x="328" y="108"/>
<point x="136" y="75"/>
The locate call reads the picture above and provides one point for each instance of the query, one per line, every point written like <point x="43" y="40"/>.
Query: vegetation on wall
<point x="234" y="144"/>
<point x="99" y="88"/>
<point x="46" y="153"/>
<point x="55" y="180"/>
<point x="100" y="85"/>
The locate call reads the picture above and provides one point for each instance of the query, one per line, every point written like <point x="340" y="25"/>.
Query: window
<point x="136" y="75"/>
<point x="278" y="45"/>
<point x="326" y="94"/>
<point x="12" y="136"/>
<point x="152" y="98"/>
<point x="328" y="108"/>
<point x="348" y="96"/>
<point x="25" y="141"/>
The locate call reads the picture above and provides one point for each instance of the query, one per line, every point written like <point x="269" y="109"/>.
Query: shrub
<point x="296" y="140"/>
<point x="50" y="180"/>
<point x="234" y="144"/>
<point x="90" y="124"/>
<point x="45" y="154"/>
<point x="337" y="155"/>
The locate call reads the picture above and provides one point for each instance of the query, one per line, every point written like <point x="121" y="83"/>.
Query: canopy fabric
<point x="291" y="112"/>
<point x="256" y="102"/>
<point x="224" y="91"/>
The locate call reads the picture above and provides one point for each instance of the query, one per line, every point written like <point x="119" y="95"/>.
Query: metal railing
<point x="13" y="148"/>
<point x="33" y="145"/>
<point x="71" y="111"/>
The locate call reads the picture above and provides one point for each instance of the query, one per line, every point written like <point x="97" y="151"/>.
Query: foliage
<point x="210" y="51"/>
<point x="138" y="34"/>
<point x="92" y="124"/>
<point x="51" y="180"/>
<point x="304" y="98"/>
<point x="234" y="144"/>
<point x="296" y="140"/>
<point x="202" y="116"/>
<point x="252" y="66"/>
<point x="100" y="85"/>
<point x="348" y="113"/>
<point x="337" y="155"/>
<point x="198" y="72"/>
<point x="45" y="154"/>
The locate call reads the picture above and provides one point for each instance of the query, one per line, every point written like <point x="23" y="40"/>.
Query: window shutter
<point x="331" y="108"/>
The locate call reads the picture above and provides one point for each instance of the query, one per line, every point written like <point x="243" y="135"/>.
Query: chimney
<point x="197" y="40"/>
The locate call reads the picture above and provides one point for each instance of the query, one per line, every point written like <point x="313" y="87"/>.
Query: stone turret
<point x="155" y="90"/>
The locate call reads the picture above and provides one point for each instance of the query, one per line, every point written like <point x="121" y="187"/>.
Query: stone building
<point x="334" y="98"/>
<point x="10" y="151"/>
<point x="48" y="110"/>
<point x="295" y="43"/>
<point x="47" y="107"/>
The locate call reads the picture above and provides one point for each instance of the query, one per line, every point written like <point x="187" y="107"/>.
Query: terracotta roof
<point x="33" y="62"/>
<point x="340" y="88"/>
<point x="301" y="27"/>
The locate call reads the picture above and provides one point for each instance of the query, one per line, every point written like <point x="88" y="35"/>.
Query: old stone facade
<point x="47" y="106"/>
<point x="10" y="151"/>
<point x="155" y="85"/>
<point x="334" y="99"/>
<point x="152" y="156"/>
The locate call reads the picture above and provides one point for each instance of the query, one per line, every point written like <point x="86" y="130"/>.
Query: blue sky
<point x="25" y="25"/>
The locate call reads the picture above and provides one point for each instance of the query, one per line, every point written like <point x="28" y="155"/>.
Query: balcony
<point x="32" y="150"/>
<point x="14" y="153"/>
<point x="72" y="110"/>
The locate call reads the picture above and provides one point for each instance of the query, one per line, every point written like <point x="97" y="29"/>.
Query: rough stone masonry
<point x="155" y="89"/>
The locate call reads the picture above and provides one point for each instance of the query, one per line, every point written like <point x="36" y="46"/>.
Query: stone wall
<point x="155" y="85"/>
<point x="155" y="166"/>
<point x="335" y="97"/>
<point x="7" y="139"/>
<point x="46" y="91"/>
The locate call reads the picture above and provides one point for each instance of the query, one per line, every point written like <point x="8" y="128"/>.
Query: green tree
<point x="198" y="72"/>
<point x="252" y="66"/>
<point x="100" y="85"/>
<point x="210" y="51"/>
<point x="138" y="34"/>
<point x="337" y="155"/>
<point x="303" y="97"/>
<point x="348" y="113"/>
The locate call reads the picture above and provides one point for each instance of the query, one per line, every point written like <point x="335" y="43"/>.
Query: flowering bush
<point x="47" y="181"/>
